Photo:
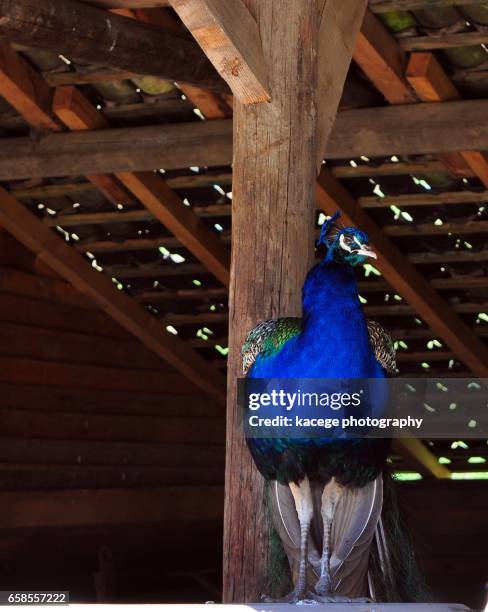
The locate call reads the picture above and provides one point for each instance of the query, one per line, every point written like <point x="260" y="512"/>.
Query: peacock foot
<point x="301" y="596"/>
<point x="331" y="598"/>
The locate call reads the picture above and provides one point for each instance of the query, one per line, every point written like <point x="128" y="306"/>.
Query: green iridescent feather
<point x="268" y="337"/>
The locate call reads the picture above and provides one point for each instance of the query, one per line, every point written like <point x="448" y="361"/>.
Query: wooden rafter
<point x="446" y="41"/>
<point x="190" y="181"/>
<point x="386" y="6"/>
<point x="211" y="104"/>
<point x="27" y="92"/>
<point x="402" y="130"/>
<point x="432" y="84"/>
<point x="77" y="113"/>
<point x="22" y="87"/>
<point x="72" y="266"/>
<point x="229" y="36"/>
<point x="383" y="61"/>
<point x="409" y="283"/>
<point x="72" y="109"/>
<point x="95" y="36"/>
<point x="415" y="450"/>
<point x="127" y="4"/>
<point x="347" y="16"/>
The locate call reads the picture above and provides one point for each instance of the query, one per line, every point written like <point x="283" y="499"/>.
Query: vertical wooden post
<point x="274" y="175"/>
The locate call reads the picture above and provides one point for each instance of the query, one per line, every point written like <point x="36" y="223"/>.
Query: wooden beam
<point x="78" y="219"/>
<point x="376" y="132"/>
<point x="409" y="283"/>
<point x="432" y="84"/>
<point x="386" y="6"/>
<point x="191" y="181"/>
<point x="88" y="76"/>
<point x="71" y="265"/>
<point x="94" y="36"/>
<point x="425" y="199"/>
<point x="25" y="90"/>
<point x="128" y="4"/>
<point x="415" y="450"/>
<point x="271" y="216"/>
<point x="210" y="104"/>
<point x="446" y="41"/>
<point x="430" y="229"/>
<point x="229" y="36"/>
<point x="382" y="60"/>
<point x="337" y="42"/>
<point x="77" y="113"/>
<point x="181" y="221"/>
<point x="78" y="153"/>
<point x="391" y="169"/>
<point x="448" y="257"/>
<point x="39" y="509"/>
<point x="156" y="271"/>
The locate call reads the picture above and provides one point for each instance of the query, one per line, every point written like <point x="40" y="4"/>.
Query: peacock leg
<point x="330" y="496"/>
<point x="302" y="496"/>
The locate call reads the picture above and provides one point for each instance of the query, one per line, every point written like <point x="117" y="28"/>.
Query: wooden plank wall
<point x="111" y="463"/>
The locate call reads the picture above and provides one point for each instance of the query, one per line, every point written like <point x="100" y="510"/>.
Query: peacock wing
<point x="383" y="346"/>
<point x="267" y="338"/>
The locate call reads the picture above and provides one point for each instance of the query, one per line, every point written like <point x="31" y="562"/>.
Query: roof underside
<point x="437" y="219"/>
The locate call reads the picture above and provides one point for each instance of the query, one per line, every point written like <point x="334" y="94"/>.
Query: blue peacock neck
<point x="329" y="290"/>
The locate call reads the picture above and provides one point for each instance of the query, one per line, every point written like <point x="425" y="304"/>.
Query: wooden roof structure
<point x="116" y="169"/>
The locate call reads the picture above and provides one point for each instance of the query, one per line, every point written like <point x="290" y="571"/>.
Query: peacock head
<point x="346" y="245"/>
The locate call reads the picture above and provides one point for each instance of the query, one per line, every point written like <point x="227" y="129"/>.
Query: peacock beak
<point x="367" y="252"/>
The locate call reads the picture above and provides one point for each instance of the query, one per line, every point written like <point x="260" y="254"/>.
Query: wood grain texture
<point x="127" y="4"/>
<point x="95" y="36"/>
<point x="151" y="190"/>
<point x="446" y="41"/>
<point x="402" y="130"/>
<point x="409" y="283"/>
<point x="432" y="84"/>
<point x="25" y="90"/>
<point x="229" y="36"/>
<point x="69" y="264"/>
<point x="422" y="457"/>
<point x="381" y="58"/>
<point x="340" y="21"/>
<point x="181" y="221"/>
<point x="96" y="507"/>
<point x="210" y="104"/>
<point x="274" y="173"/>
<point x="22" y="370"/>
<point x="72" y="426"/>
<point x="386" y="6"/>
<point x="31" y="97"/>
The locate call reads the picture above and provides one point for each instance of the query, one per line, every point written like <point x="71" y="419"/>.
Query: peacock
<point x="326" y="493"/>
